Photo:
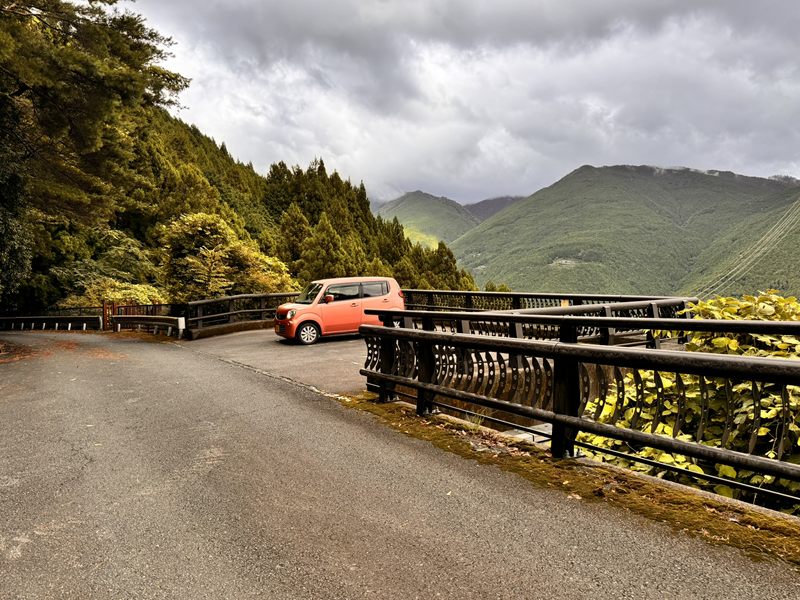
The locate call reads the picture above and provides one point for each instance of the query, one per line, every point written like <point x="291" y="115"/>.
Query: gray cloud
<point x="482" y="98"/>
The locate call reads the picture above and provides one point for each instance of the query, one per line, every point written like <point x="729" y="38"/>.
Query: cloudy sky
<point x="473" y="99"/>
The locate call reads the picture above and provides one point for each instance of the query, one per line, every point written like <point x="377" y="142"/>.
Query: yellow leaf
<point x="724" y="490"/>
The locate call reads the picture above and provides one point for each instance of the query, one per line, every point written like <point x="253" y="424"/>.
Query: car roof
<point x="351" y="280"/>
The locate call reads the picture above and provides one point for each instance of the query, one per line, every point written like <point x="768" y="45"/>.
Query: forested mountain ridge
<point x="627" y="229"/>
<point x="428" y="218"/>
<point x="491" y="206"/>
<point x="104" y="195"/>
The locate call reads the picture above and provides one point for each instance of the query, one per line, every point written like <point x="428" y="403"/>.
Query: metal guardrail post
<point x="607" y="334"/>
<point x="685" y="339"/>
<point x="263" y="307"/>
<point x="566" y="396"/>
<point x="232" y="318"/>
<point x="425" y="370"/>
<point x="653" y="341"/>
<point x="388" y="346"/>
<point x="200" y="316"/>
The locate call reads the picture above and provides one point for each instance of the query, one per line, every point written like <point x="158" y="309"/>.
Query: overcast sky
<point x="473" y="99"/>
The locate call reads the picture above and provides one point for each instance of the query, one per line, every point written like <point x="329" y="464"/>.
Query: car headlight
<point x="291" y="314"/>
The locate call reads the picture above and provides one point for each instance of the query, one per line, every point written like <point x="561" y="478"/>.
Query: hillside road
<point x="139" y="470"/>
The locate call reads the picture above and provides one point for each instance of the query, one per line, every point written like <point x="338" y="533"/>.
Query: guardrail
<point x="52" y="322"/>
<point x="232" y="309"/>
<point x="55" y="312"/>
<point x="149" y="322"/>
<point x="606" y="391"/>
<point x="502" y="301"/>
<point x="593" y="323"/>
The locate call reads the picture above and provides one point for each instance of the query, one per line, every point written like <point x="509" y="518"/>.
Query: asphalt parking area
<point x="331" y="365"/>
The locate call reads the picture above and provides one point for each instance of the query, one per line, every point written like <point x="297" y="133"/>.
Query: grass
<point x="759" y="534"/>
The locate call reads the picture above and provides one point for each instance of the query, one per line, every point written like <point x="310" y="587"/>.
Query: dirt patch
<point x="760" y="534"/>
<point x="13" y="352"/>
<point x="65" y="344"/>
<point x="104" y="354"/>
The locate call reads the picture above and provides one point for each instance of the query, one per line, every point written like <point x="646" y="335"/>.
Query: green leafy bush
<point x="204" y="258"/>
<point x="106" y="289"/>
<point x="730" y="404"/>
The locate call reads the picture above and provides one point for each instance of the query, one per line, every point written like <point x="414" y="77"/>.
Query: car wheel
<point x="307" y="333"/>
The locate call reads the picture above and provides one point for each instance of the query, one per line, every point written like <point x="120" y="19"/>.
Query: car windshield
<point x="308" y="295"/>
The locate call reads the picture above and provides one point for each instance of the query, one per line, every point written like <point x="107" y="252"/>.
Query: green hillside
<point x="428" y="219"/>
<point x="623" y="229"/>
<point x="488" y="208"/>
<point x="757" y="255"/>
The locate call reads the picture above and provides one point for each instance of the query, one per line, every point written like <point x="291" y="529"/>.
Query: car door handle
<point x="354" y="304"/>
<point x="385" y="301"/>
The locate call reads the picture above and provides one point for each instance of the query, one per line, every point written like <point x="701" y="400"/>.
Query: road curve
<point x="138" y="470"/>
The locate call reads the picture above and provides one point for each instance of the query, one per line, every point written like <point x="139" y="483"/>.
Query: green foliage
<point x="426" y="268"/>
<point x="769" y="306"/>
<point x="106" y="289"/>
<point x="205" y="258"/>
<point x="96" y="177"/>
<point x="744" y="410"/>
<point x="294" y="232"/>
<point x="79" y="77"/>
<point x="15" y="253"/>
<point x="324" y="255"/>
<point x="492" y="287"/>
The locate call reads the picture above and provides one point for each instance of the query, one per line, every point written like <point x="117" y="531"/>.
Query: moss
<point x="759" y="534"/>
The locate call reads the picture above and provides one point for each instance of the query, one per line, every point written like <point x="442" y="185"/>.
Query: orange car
<point x="334" y="306"/>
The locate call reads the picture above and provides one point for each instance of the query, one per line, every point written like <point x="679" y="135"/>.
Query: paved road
<point x="331" y="364"/>
<point x="136" y="470"/>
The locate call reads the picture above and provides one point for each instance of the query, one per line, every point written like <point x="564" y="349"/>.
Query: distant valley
<point x="427" y="218"/>
<point x="623" y="229"/>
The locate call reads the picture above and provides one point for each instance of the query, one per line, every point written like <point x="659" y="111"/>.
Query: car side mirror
<point x="329" y="298"/>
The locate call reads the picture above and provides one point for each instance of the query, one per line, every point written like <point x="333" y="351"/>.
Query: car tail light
<point x="400" y="293"/>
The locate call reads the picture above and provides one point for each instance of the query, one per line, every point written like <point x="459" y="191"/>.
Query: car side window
<point x="374" y="289"/>
<point x="347" y="291"/>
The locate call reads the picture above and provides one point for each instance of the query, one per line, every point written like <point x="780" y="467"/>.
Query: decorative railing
<point x="708" y="408"/>
<point x="593" y="323"/>
<point x="234" y="309"/>
<point x="500" y="301"/>
<point x="150" y="323"/>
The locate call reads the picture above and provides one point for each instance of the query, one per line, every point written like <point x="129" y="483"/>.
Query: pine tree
<point x="294" y="233"/>
<point x="356" y="263"/>
<point x="323" y="253"/>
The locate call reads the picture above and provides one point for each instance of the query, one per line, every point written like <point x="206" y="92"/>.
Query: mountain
<point x="639" y="230"/>
<point x="428" y="219"/>
<point x="488" y="208"/>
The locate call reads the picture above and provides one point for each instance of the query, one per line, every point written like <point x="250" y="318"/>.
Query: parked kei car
<point x="336" y="306"/>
